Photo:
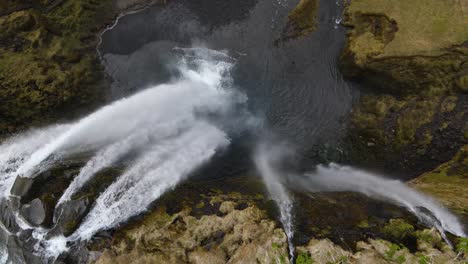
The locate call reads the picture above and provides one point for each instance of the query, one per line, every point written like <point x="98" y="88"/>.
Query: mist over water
<point x="171" y="129"/>
<point x="157" y="171"/>
<point x="14" y="151"/>
<point x="335" y="177"/>
<point x="162" y="133"/>
<point x="267" y="158"/>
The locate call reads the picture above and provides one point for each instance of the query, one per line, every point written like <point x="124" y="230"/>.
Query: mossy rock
<point x="412" y="55"/>
<point x="406" y="136"/>
<point x="398" y="229"/>
<point x="48" y="62"/>
<point x="302" y="20"/>
<point x="304" y="258"/>
<point x="448" y="182"/>
<point x="165" y="235"/>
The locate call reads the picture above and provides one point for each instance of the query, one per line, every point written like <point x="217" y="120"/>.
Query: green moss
<point x="420" y="65"/>
<point x="303" y="17"/>
<point x="414" y="116"/>
<point x="363" y="224"/>
<point x="430" y="238"/>
<point x="462" y="245"/>
<point x="283" y="259"/>
<point x="398" y="229"/>
<point x="200" y="205"/>
<point x="423" y="26"/>
<point x="462" y="83"/>
<point x="342" y="260"/>
<point x="424" y="260"/>
<point x="449" y="104"/>
<point x="48" y="60"/>
<point x="369" y="115"/>
<point x="448" y="182"/>
<point x="304" y="258"/>
<point x="390" y="254"/>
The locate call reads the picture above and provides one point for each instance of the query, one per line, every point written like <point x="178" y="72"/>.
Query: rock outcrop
<point x="377" y="251"/>
<point x="302" y="20"/>
<point x="413" y="56"/>
<point x="448" y="182"/>
<point x="238" y="232"/>
<point x="34" y="212"/>
<point x="231" y="228"/>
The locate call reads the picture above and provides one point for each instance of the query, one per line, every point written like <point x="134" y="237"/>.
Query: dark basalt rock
<point x="34" y="212"/>
<point x="7" y="217"/>
<point x="19" y="248"/>
<point x="21" y="186"/>
<point x="68" y="215"/>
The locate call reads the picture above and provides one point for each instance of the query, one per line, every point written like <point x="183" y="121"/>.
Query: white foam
<point x="168" y="128"/>
<point x="14" y="152"/>
<point x="199" y="89"/>
<point x="343" y="178"/>
<point x="157" y="171"/>
<point x="54" y="246"/>
<point x="265" y="158"/>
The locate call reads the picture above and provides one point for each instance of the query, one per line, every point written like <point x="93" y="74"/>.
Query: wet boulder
<point x="13" y="248"/>
<point x="21" y="186"/>
<point x="68" y="215"/>
<point x="34" y="212"/>
<point x="7" y="217"/>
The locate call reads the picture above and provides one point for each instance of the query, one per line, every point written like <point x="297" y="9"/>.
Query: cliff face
<point x="448" y="182"/>
<point x="220" y="228"/>
<point x="230" y="227"/>
<point x="413" y="55"/>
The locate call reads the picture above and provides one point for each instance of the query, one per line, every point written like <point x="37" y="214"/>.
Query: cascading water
<point x="266" y="157"/>
<point x="158" y="170"/>
<point x="343" y="178"/>
<point x="14" y="151"/>
<point x="170" y="129"/>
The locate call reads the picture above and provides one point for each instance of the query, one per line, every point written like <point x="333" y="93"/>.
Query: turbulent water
<point x="170" y="129"/>
<point x="294" y="85"/>
<point x="15" y="151"/>
<point x="164" y="133"/>
<point x="161" y="133"/>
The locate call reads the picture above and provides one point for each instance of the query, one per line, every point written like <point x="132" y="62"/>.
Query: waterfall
<point x="170" y="129"/>
<point x="266" y="159"/>
<point x="344" y="178"/>
<point x="14" y="151"/>
<point x="158" y="170"/>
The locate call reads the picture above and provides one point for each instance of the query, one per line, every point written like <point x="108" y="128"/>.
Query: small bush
<point x="304" y="258"/>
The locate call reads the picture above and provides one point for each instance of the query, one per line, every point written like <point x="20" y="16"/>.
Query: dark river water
<point x="295" y="84"/>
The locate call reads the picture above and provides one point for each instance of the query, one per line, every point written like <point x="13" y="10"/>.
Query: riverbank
<point x="49" y="66"/>
<point x="410" y="121"/>
<point x="412" y="117"/>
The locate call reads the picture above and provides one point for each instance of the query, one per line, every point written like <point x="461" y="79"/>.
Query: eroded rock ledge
<point x="231" y="228"/>
<point x="238" y="232"/>
<point x="413" y="55"/>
